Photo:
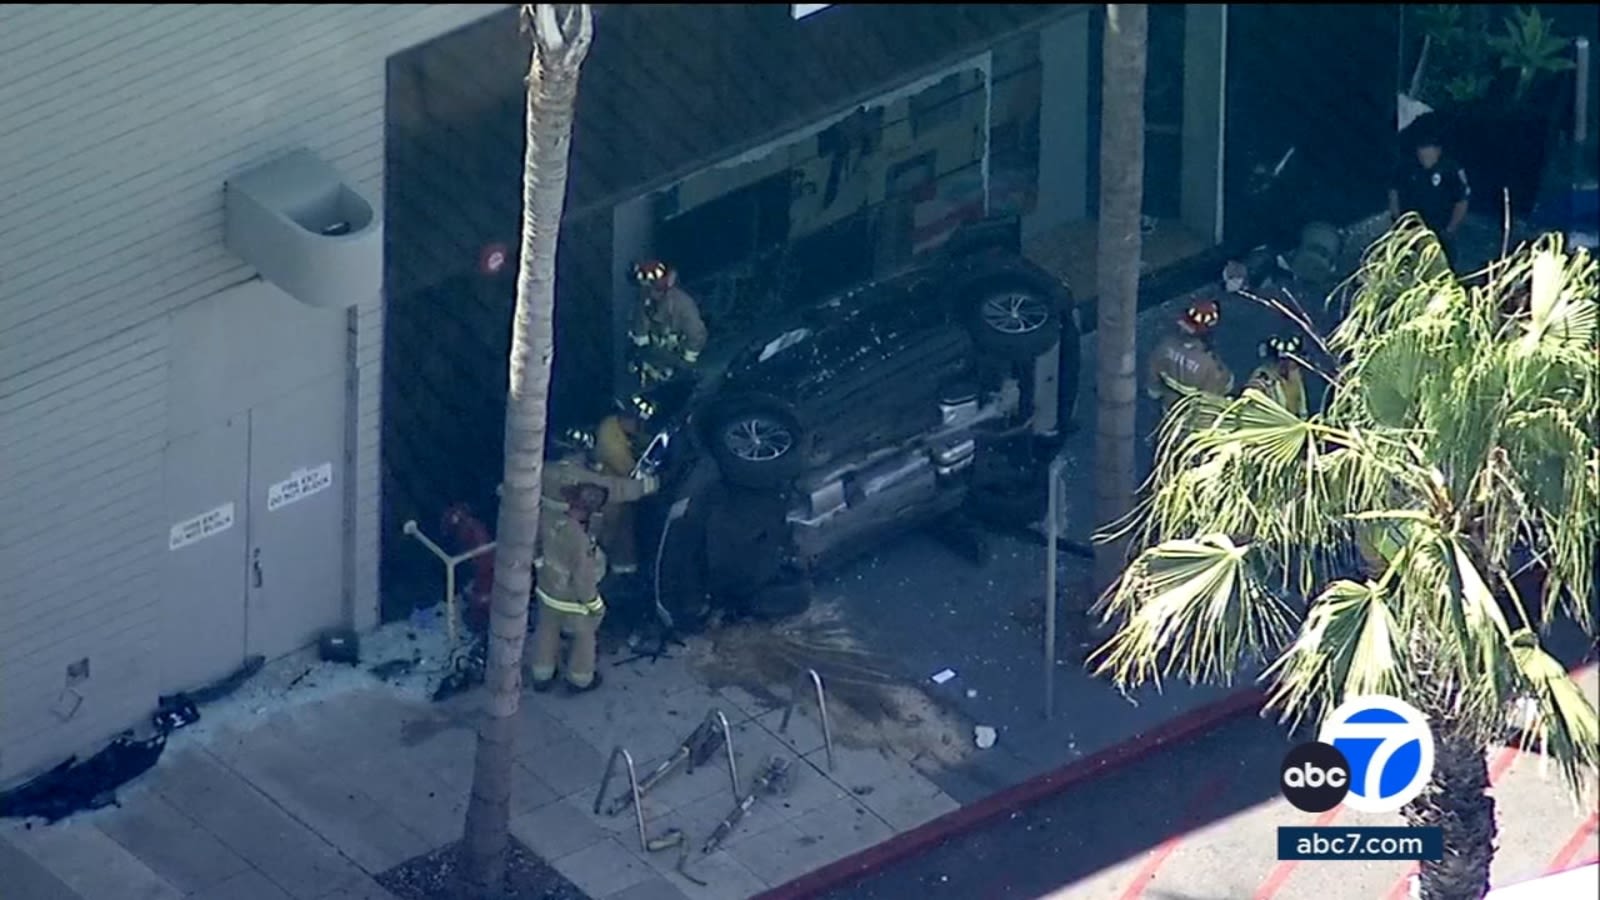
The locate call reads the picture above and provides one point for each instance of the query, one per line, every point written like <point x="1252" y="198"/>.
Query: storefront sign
<point x="801" y="10"/>
<point x="300" y="484"/>
<point x="197" y="529"/>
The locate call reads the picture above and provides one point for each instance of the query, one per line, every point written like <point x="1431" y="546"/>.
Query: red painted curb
<point x="907" y="844"/>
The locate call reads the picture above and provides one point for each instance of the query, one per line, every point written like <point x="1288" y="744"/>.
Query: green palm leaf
<point x="1190" y="607"/>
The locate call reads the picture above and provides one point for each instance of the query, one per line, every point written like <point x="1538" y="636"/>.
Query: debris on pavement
<point x="869" y="707"/>
<point x="174" y="712"/>
<point x="984" y="736"/>
<point x="339" y="645"/>
<point x="394" y="668"/>
<point x="774" y="779"/>
<point x="74" y="786"/>
<point x="466" y="670"/>
<point x="943" y="676"/>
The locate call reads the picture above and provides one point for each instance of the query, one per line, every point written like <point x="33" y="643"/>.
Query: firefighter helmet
<point x="1201" y="316"/>
<point x="637" y="406"/>
<point x="651" y="272"/>
<point x="1280" y="346"/>
<point x="567" y="441"/>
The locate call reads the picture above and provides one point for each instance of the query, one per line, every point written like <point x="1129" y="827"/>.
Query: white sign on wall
<point x="197" y="529"/>
<point x="300" y="484"/>
<point x="801" y="10"/>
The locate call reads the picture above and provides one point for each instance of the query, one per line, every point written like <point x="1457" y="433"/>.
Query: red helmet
<point x="1201" y="316"/>
<point x="651" y="272"/>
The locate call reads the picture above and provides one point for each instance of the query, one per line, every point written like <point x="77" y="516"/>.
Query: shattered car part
<point x="466" y="670"/>
<point x="174" y="712"/>
<point x="75" y="786"/>
<point x="774" y="779"/>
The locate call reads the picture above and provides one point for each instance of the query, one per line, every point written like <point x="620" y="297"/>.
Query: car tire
<point x="1014" y="322"/>
<point x="757" y="445"/>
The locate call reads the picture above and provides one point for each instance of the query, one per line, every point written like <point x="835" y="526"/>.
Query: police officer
<point x="571" y="566"/>
<point x="1279" y="375"/>
<point x="1428" y="184"/>
<point x="1186" y="356"/>
<point x="668" y="333"/>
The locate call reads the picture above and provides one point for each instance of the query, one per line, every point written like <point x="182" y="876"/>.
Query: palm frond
<point x="1191" y="607"/>
<point x="1566" y="726"/>
<point x="1351" y="643"/>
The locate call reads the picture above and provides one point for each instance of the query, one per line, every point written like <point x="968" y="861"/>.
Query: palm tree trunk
<point x="1117" y="281"/>
<point x="560" y="36"/>
<point x="1456" y="801"/>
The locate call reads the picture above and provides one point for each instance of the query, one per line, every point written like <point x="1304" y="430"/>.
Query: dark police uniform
<point x="1431" y="193"/>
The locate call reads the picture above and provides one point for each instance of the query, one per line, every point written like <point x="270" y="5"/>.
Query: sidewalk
<point x="307" y="793"/>
<point x="315" y="778"/>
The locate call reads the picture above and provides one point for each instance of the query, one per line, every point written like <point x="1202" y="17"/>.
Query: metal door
<point x="296" y="517"/>
<point x="203" y="610"/>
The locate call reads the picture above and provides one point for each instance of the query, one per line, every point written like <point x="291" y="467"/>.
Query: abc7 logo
<point x="1375" y="755"/>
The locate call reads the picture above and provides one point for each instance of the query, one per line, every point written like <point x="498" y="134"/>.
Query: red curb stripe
<point x="1575" y="843"/>
<point x="966" y="818"/>
<point x="1190" y="821"/>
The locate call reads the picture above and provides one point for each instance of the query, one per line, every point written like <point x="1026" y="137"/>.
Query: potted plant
<point x="1493" y="80"/>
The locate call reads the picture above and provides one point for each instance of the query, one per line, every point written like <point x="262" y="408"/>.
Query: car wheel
<point x="1015" y="322"/>
<point x="757" y="446"/>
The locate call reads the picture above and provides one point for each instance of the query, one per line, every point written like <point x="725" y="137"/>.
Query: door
<point x="203" y="611"/>
<point x="295" y="570"/>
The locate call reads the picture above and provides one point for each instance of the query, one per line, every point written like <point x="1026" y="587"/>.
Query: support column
<point x="1205" y="80"/>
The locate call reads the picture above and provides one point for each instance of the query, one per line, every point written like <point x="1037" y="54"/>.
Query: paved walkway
<point x="306" y="793"/>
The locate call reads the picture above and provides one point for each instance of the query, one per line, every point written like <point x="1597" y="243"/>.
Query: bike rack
<point x="822" y="713"/>
<point x="633" y="786"/>
<point x="727" y="745"/>
<point x="450" y="563"/>
<point x="671" y="836"/>
<point x="721" y="723"/>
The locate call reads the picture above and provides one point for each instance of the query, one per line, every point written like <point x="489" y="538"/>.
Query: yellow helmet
<point x="1280" y="346"/>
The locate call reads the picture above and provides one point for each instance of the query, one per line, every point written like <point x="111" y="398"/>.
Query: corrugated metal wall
<point x="120" y="125"/>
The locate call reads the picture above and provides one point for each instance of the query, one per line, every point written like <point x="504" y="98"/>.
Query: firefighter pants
<point x="554" y="622"/>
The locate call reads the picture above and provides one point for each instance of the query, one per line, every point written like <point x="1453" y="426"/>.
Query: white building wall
<point x="118" y="127"/>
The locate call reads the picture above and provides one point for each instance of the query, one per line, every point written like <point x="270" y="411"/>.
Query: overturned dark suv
<point x="860" y="417"/>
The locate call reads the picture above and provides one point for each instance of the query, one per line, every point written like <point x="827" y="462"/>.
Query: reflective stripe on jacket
<point x="591" y="607"/>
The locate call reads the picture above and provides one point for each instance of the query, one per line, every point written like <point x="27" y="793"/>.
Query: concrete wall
<point x="121" y="124"/>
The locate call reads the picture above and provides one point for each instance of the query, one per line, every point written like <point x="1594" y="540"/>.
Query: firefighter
<point x="668" y="334"/>
<point x="1279" y="375"/>
<point x="616" y="448"/>
<point x="571" y="565"/>
<point x="1186" y="357"/>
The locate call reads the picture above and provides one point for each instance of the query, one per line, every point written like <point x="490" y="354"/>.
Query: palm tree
<point x="560" y="36"/>
<point x="1458" y="450"/>
<point x="1117" y="272"/>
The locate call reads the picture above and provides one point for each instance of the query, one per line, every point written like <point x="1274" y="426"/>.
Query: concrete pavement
<point x="307" y="792"/>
